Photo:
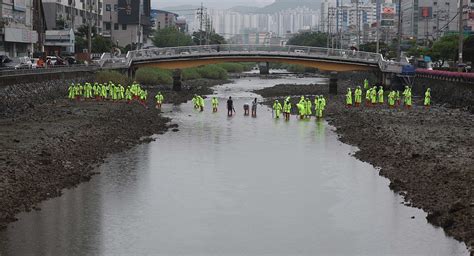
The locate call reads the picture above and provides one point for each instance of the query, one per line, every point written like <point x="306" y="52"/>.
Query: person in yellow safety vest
<point x="349" y="97"/>
<point x="367" y="96"/>
<point x="215" y="104"/>
<point x="358" y="96"/>
<point x="301" y="109"/>
<point x="287" y="109"/>
<point x="302" y="100"/>
<point x="309" y="107"/>
<point x="128" y="94"/>
<point x="404" y="94"/>
<point x="322" y="103"/>
<point x="277" y="108"/>
<point x="427" y="102"/>
<point x="380" y="94"/>
<point x="391" y="99"/>
<point x="70" y="90"/>
<point x="373" y="96"/>
<point x="159" y="100"/>
<point x="201" y="103"/>
<point x="366" y="84"/>
<point x="408" y="100"/>
<point x="78" y="91"/>
<point x="318" y="106"/>
<point x="397" y="97"/>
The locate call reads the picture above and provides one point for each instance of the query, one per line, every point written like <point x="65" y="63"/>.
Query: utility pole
<point x="377" y="13"/>
<point x="201" y="14"/>
<point x="399" y="40"/>
<point x="89" y="36"/>
<point x="461" y="32"/>
<point x="139" y="26"/>
<point x="358" y="24"/>
<point x="337" y="19"/>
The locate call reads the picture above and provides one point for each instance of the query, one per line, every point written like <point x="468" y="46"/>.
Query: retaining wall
<point x="20" y="96"/>
<point x="449" y="93"/>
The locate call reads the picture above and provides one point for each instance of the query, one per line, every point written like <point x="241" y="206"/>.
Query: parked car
<point x="300" y="51"/>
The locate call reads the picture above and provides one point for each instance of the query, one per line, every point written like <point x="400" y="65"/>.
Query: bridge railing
<point x="277" y="50"/>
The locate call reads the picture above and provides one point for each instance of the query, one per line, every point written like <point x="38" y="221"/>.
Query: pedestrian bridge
<point x="192" y="56"/>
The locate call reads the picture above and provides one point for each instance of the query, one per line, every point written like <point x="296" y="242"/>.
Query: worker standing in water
<point x="277" y="108"/>
<point x="215" y="104"/>
<point x="230" y="107"/>
<point x="287" y="109"/>
<point x="308" y="107"/>
<point x="254" y="107"/>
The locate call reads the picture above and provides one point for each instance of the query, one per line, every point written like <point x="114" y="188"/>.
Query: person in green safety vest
<point x="380" y="95"/>
<point x="277" y="108"/>
<point x="427" y="101"/>
<point x="408" y="98"/>
<point x="404" y="94"/>
<point x="71" y="91"/>
<point x="287" y="109"/>
<point x="301" y="109"/>
<point x="323" y="105"/>
<point x="317" y="106"/>
<point x="366" y="84"/>
<point x="397" y="98"/>
<point x="368" y="94"/>
<point x="373" y="96"/>
<point x="358" y="96"/>
<point x="159" y="100"/>
<point x="201" y="103"/>
<point x="391" y="99"/>
<point x="128" y="95"/>
<point x="309" y="107"/>
<point x="215" y="104"/>
<point x="349" y="97"/>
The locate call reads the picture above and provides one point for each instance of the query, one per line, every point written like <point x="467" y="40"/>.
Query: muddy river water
<point x="231" y="186"/>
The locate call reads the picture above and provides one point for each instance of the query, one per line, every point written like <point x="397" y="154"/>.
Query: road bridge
<point x="192" y="56"/>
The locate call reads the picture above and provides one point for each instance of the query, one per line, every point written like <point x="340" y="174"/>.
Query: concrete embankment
<point x="450" y="93"/>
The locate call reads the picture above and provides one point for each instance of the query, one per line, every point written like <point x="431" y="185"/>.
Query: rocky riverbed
<point x="428" y="154"/>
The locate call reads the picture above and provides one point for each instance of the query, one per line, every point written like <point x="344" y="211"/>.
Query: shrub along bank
<point x="155" y="76"/>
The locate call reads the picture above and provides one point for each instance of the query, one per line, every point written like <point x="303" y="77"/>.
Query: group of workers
<point x="108" y="91"/>
<point x="375" y="96"/>
<point x="304" y="107"/>
<point x="198" y="102"/>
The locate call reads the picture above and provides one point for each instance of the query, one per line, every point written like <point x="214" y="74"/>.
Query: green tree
<point x="214" y="38"/>
<point x="171" y="37"/>
<point x="101" y="44"/>
<point x="468" y="49"/>
<point x="314" y="39"/>
<point x="445" y="49"/>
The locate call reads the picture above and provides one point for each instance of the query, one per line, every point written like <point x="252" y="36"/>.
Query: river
<point x="231" y="186"/>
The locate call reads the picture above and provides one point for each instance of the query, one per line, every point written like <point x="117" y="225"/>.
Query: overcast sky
<point x="210" y="3"/>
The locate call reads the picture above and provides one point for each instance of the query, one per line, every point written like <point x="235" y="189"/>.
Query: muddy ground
<point x="428" y="155"/>
<point x="49" y="143"/>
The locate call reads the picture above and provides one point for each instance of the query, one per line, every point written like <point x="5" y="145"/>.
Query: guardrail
<point x="50" y="69"/>
<point x="274" y="50"/>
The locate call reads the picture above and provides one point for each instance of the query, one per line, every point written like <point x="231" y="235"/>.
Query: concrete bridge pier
<point x="131" y="73"/>
<point x="264" y="68"/>
<point x="177" y="80"/>
<point x="333" y="83"/>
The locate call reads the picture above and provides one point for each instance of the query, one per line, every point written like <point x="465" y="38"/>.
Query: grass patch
<point x="114" y="76"/>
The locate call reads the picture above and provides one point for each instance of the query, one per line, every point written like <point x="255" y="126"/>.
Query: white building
<point x="17" y="37"/>
<point x="428" y="19"/>
<point x="66" y="14"/>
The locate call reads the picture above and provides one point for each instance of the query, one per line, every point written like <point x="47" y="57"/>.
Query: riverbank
<point x="426" y="154"/>
<point x="49" y="143"/>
